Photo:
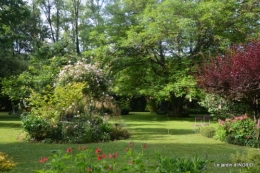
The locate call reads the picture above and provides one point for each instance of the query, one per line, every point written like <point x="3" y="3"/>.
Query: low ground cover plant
<point x="239" y="130"/>
<point x="84" y="159"/>
<point x="251" y="158"/>
<point x="6" y="163"/>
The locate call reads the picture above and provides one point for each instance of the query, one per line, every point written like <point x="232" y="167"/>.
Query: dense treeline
<point x="147" y="48"/>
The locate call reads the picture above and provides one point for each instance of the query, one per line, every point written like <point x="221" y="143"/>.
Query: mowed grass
<point x="170" y="136"/>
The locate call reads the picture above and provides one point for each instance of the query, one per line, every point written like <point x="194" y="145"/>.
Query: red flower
<point x="97" y="150"/>
<point x="144" y="145"/>
<point x="103" y="156"/>
<point x="99" y="157"/>
<point x="110" y="156"/>
<point x="131" y="144"/>
<point x="85" y="148"/>
<point x="44" y="159"/>
<point x="89" y="169"/>
<point x="115" y="155"/>
<point x="69" y="150"/>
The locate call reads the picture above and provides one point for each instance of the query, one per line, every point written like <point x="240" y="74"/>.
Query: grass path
<point x="171" y="137"/>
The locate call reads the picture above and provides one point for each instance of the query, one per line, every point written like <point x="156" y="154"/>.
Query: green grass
<point x="169" y="136"/>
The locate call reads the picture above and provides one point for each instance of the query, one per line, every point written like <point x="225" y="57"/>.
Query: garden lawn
<point x="169" y="136"/>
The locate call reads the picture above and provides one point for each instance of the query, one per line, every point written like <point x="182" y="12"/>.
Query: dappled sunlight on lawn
<point x="159" y="129"/>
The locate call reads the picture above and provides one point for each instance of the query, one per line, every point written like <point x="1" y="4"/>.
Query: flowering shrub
<point x="88" y="160"/>
<point x="97" y="84"/>
<point x="240" y="130"/>
<point x="6" y="164"/>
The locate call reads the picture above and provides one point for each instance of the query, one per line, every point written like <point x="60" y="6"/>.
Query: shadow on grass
<point x="5" y="125"/>
<point x="159" y="131"/>
<point x="4" y="116"/>
<point x="28" y="154"/>
<point x="146" y="116"/>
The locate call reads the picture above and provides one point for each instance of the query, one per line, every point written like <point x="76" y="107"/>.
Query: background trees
<point x="151" y="46"/>
<point x="147" y="48"/>
<point x="235" y="75"/>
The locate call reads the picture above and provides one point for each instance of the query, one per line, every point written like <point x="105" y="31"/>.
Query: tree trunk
<point x="177" y="105"/>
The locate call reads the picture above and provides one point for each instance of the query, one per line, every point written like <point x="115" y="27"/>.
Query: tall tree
<point x="151" y="46"/>
<point x="13" y="14"/>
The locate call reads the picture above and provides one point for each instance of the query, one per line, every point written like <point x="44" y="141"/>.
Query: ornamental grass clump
<point x="6" y="163"/>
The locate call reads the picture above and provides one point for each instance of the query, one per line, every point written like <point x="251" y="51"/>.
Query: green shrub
<point x="251" y="157"/>
<point x="180" y="165"/>
<point x="6" y="163"/>
<point x="222" y="108"/>
<point x="220" y="133"/>
<point x="38" y="128"/>
<point x="240" y="130"/>
<point x="83" y="129"/>
<point x="208" y="132"/>
<point x="119" y="134"/>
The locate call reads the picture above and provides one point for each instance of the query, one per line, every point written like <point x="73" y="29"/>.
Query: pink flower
<point x="44" y="159"/>
<point x="110" y="156"/>
<point x="103" y="156"/>
<point x="69" y="150"/>
<point x="144" y="145"/>
<point x="131" y="144"/>
<point x="115" y="155"/>
<point x="97" y="150"/>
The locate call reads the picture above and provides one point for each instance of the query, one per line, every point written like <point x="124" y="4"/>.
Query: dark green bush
<point x="83" y="129"/>
<point x="119" y="134"/>
<point x="39" y="129"/>
<point x="208" y="132"/>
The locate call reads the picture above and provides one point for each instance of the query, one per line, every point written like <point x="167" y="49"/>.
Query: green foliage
<point x="38" y="128"/>
<point x="55" y="105"/>
<point x="85" y="129"/>
<point x="178" y="165"/>
<point x="241" y="130"/>
<point x="220" y="133"/>
<point x="38" y="77"/>
<point x="119" y="133"/>
<point x="6" y="163"/>
<point x="99" y="162"/>
<point x="80" y="129"/>
<point x="208" y="132"/>
<point x="223" y="108"/>
<point x="124" y="105"/>
<point x="251" y="157"/>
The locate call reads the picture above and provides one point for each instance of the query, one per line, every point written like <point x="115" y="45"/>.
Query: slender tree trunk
<point x="76" y="4"/>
